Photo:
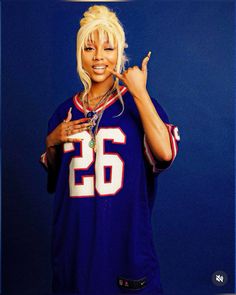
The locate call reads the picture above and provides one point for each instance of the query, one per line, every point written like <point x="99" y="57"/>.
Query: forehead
<point x="97" y="41"/>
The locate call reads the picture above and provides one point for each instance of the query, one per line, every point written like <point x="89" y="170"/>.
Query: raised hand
<point x="64" y="130"/>
<point x="134" y="78"/>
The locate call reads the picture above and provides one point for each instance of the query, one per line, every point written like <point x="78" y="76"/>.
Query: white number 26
<point x="104" y="160"/>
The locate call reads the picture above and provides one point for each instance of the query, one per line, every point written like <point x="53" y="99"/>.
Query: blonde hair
<point x="102" y="19"/>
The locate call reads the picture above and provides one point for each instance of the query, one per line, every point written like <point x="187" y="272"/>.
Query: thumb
<point x="118" y="75"/>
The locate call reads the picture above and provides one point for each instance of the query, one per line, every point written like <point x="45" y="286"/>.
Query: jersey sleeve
<point x="157" y="165"/>
<point x="52" y="174"/>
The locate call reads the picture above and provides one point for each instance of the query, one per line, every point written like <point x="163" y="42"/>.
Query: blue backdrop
<point x="190" y="72"/>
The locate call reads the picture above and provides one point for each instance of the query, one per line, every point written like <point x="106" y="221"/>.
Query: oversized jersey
<point x="102" y="241"/>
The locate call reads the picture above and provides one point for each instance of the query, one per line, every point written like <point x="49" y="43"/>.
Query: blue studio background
<point x="190" y="73"/>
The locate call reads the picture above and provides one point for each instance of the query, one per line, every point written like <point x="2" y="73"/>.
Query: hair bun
<point x="98" y="12"/>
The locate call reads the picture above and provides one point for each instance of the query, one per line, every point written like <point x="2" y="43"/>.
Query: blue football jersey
<point x="102" y="241"/>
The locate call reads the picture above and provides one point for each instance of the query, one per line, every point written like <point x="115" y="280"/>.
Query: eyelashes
<point x="90" y="48"/>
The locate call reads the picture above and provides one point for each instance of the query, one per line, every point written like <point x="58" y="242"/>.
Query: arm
<point x="158" y="134"/>
<point x="156" y="131"/>
<point x="59" y="133"/>
<point x="50" y="158"/>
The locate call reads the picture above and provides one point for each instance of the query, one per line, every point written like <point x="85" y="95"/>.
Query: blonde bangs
<point x="105" y="35"/>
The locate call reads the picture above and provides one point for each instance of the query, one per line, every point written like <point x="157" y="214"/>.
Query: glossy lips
<point x="99" y="68"/>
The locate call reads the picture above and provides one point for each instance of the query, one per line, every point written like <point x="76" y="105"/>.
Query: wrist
<point x="141" y="96"/>
<point x="142" y="99"/>
<point x="49" y="142"/>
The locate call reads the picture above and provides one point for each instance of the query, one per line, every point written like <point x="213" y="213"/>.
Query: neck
<point x="99" y="88"/>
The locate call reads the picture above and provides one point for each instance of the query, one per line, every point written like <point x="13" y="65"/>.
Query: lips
<point x="99" y="69"/>
<point x="100" y="66"/>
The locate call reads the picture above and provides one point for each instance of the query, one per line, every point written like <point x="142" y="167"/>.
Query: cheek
<point x="86" y="65"/>
<point x="113" y="59"/>
<point x="85" y="60"/>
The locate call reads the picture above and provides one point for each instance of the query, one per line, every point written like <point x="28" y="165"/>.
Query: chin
<point x="98" y="78"/>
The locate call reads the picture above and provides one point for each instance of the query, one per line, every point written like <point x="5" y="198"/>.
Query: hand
<point x="134" y="78"/>
<point x="62" y="132"/>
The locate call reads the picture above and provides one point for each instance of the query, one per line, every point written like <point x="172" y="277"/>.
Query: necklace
<point x="89" y="114"/>
<point x="94" y="128"/>
<point x="96" y="105"/>
<point x="93" y="98"/>
<point x="95" y="117"/>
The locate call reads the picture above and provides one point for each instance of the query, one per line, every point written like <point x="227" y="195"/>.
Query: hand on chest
<point x="101" y="168"/>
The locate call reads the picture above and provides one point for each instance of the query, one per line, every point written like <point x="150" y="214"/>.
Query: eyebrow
<point x="106" y="42"/>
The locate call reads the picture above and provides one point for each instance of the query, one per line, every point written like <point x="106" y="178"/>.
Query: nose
<point x="98" y="54"/>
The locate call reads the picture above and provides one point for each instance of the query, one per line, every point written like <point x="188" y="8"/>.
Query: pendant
<point x="93" y="120"/>
<point x="90" y="114"/>
<point x="92" y="143"/>
<point x="95" y="117"/>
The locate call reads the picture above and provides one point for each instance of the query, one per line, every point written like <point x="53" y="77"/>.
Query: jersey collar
<point x="112" y="98"/>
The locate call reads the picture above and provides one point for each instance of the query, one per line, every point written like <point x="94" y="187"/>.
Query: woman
<point x="105" y="146"/>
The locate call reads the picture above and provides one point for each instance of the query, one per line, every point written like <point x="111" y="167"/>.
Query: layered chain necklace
<point x="95" y="117"/>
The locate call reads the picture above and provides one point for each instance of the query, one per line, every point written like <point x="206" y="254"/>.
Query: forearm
<point x="155" y="129"/>
<point x="52" y="154"/>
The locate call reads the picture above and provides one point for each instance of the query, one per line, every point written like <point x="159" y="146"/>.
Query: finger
<point x="69" y="115"/>
<point x="118" y="75"/>
<point x="72" y="132"/>
<point x="69" y="139"/>
<point x="78" y="127"/>
<point x="145" y="62"/>
<point x="75" y="122"/>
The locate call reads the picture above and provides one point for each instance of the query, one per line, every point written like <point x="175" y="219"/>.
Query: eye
<point x="109" y="48"/>
<point x="88" y="48"/>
